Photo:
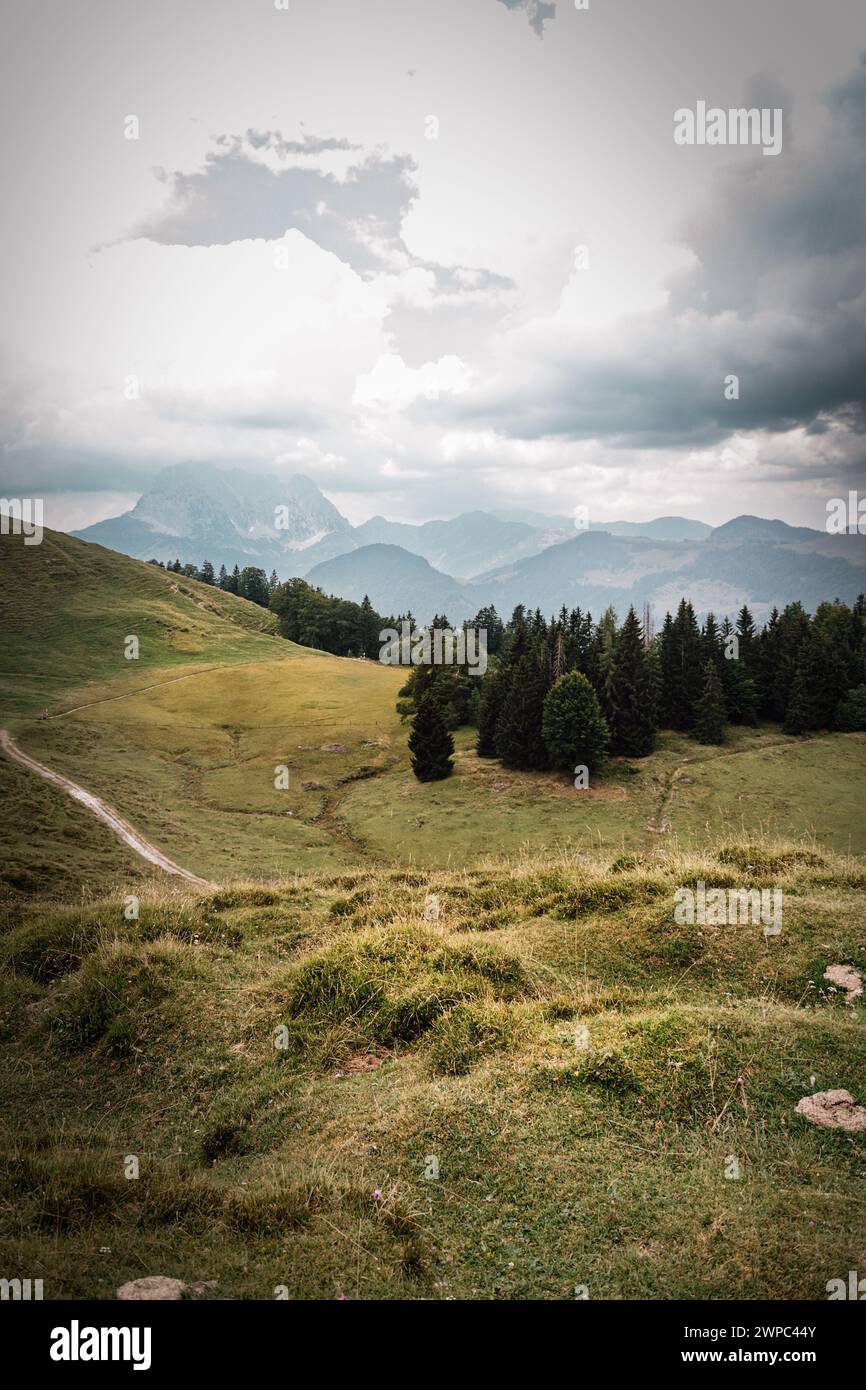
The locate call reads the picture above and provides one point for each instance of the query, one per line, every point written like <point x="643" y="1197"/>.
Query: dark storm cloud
<point x="777" y="296"/>
<point x="536" y="11"/>
<point x="358" y="218"/>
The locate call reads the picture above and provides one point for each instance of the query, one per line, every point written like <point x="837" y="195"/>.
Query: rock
<point x="833" y="1110"/>
<point x="155" y="1286"/>
<point x="847" y="978"/>
<point x="333" y="747"/>
<point x="160" y="1287"/>
<point x="313" y="786"/>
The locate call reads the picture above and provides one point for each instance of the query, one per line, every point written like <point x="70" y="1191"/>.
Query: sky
<point x="435" y="256"/>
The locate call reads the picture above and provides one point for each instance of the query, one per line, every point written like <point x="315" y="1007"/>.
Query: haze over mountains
<point x="196" y="512"/>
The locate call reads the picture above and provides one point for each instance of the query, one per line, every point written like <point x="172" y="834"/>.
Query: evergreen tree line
<point x="250" y="583"/>
<point x="570" y="692"/>
<point x="315" y="619"/>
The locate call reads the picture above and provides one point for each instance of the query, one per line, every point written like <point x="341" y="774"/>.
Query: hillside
<point x="552" y="1091"/>
<point x="66" y="608"/>
<point x="181" y="742"/>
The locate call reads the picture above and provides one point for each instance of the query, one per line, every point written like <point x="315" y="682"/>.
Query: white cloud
<point x="392" y="386"/>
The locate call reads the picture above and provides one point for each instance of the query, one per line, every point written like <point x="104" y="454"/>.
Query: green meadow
<point x="541" y="1092"/>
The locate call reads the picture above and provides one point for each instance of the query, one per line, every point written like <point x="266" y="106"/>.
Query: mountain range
<point x="196" y="512"/>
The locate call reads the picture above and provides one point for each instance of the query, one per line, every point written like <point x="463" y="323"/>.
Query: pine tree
<point x="488" y="620"/>
<point x="605" y="640"/>
<point x="273" y="583"/>
<point x="518" y="730"/>
<point x="206" y="574"/>
<point x="709" y="726"/>
<point x="223" y="579"/>
<point x="369" y="627"/>
<point x="746" y="639"/>
<point x="574" y="728"/>
<point x="799" y="716"/>
<point x="253" y="585"/>
<point x="632" y="699"/>
<point x="492" y="695"/>
<point x="789" y="641"/>
<point x="711" y="642"/>
<point x="667" y="669"/>
<point x="430" y="743"/>
<point x="738" y="685"/>
<point x="851" y="712"/>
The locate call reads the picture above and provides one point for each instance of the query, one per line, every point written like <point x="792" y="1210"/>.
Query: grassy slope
<point x="558" y="1166"/>
<point x="185" y="740"/>
<point x="66" y="608"/>
<point x="758" y="783"/>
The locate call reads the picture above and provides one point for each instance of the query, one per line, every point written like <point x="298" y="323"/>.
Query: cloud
<point x="261" y="185"/>
<point x="392" y="386"/>
<point x="221" y="352"/>
<point x="775" y="294"/>
<point x="536" y="11"/>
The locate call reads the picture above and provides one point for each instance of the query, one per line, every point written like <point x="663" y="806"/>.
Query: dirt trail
<point x="102" y="811"/>
<point x="128" y="694"/>
<point x="659" y="825"/>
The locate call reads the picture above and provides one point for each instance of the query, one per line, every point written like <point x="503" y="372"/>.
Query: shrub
<point x="851" y="712"/>
<point x="471" y="1031"/>
<point x="391" y="984"/>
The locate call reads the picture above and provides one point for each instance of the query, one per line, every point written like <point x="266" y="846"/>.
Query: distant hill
<point x="195" y="512"/>
<point x="662" y="528"/>
<point x="595" y="570"/>
<point x="757" y="530"/>
<point x="464" y="546"/>
<point x="396" y="582"/>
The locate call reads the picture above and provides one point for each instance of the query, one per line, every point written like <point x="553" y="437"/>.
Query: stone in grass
<point x="158" y="1287"/>
<point x="155" y="1286"/>
<point x="847" y="978"/>
<point x="833" y="1110"/>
